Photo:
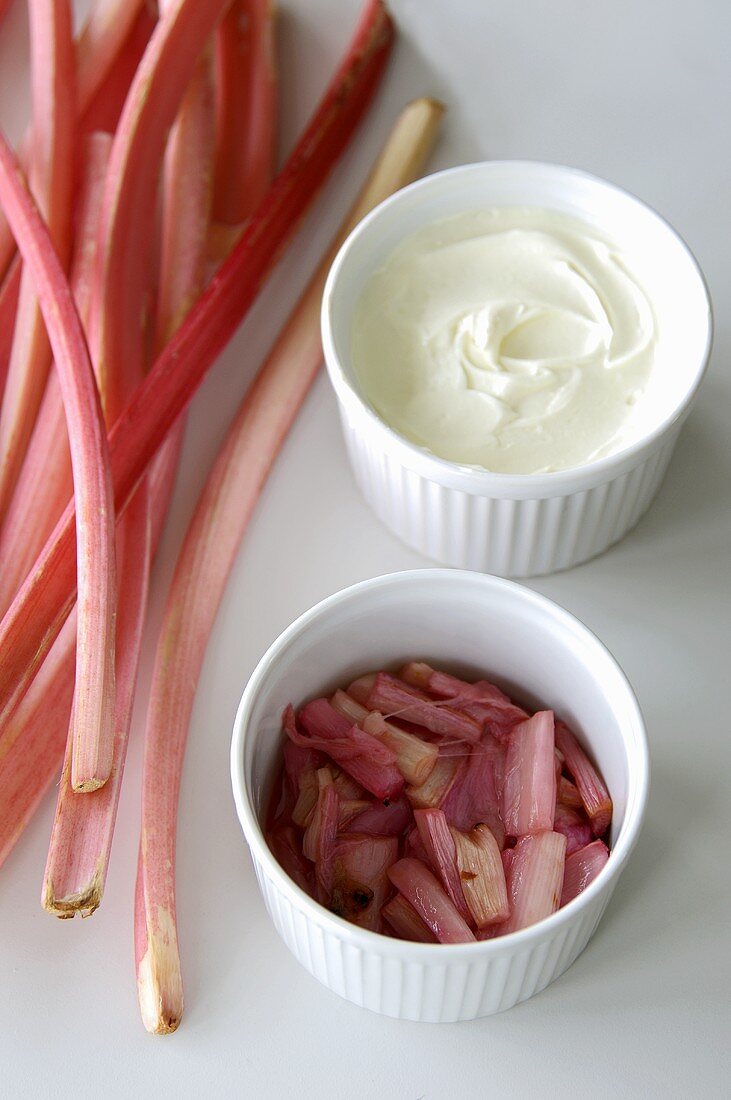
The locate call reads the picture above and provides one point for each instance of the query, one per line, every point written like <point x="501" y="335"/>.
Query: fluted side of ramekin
<point x="436" y="990"/>
<point x="501" y="535"/>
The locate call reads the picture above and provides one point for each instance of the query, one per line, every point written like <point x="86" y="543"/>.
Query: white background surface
<point x="636" y="92"/>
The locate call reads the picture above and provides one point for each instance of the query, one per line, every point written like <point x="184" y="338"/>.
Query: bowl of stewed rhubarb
<point x="441" y="776"/>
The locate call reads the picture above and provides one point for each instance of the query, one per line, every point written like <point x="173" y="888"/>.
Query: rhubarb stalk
<point x="208" y="552"/>
<point x="51" y="181"/>
<point x="94" y="694"/>
<point x="37" y="613"/>
<point x="45" y="478"/>
<point x="246" y="109"/>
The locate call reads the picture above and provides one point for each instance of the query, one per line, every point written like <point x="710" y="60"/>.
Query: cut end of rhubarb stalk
<point x="84" y="902"/>
<point x="159" y="984"/>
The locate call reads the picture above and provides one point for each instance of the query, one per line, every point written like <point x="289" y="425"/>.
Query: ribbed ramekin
<point x="526" y="524"/>
<point x="471" y="623"/>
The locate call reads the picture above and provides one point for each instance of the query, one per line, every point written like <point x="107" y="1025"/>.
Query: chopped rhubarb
<point x="574" y="826"/>
<point x="421" y="889"/>
<point x="437" y="786"/>
<point x="363" y="757"/>
<point x="567" y="794"/>
<point x="285" y="843"/>
<point x="439" y="845"/>
<point x="360" y="882"/>
<point x="529" y="785"/>
<point x="415" y="758"/>
<point x="395" y="699"/>
<point x="481" y="875"/>
<point x="390" y="818"/>
<point x="591" y="788"/>
<point x="308" y="790"/>
<point x="582" y="867"/>
<point x="535" y="880"/>
<point x="474" y="797"/>
<point x="483" y="701"/>
<point x="406" y="922"/>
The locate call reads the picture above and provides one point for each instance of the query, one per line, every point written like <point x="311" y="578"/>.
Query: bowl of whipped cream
<point x="514" y="347"/>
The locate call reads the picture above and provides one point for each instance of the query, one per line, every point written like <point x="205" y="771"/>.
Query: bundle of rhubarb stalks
<point x="139" y="219"/>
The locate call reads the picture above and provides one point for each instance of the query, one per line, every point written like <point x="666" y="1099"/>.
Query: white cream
<point x="513" y="338"/>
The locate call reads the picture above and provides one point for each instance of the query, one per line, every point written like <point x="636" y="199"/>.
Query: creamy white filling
<point x="513" y="338"/>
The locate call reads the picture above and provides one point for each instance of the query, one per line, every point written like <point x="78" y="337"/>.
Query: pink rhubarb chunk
<point x="529" y="786"/>
<point x="421" y="889"/>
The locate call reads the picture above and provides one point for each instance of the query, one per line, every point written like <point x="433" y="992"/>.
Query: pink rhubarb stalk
<point x="32" y="748"/>
<point x="103" y="111"/>
<point x="420" y="888"/>
<point x="45" y="479"/>
<point x="529" y="784"/>
<point x="92" y="725"/>
<point x="51" y="179"/>
<point x="246" y="110"/>
<point x="42" y="605"/>
<point x="221" y="517"/>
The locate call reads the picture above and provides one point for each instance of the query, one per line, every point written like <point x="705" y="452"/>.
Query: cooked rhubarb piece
<point x="439" y="845"/>
<point x="395" y="699"/>
<point x="574" y="826"/>
<point x="308" y="791"/>
<point x="415" y="758"/>
<point x="567" y="794"/>
<point x="483" y="701"/>
<point x="535" y="879"/>
<point x="481" y="875"/>
<point x="363" y="757"/>
<point x="421" y="889"/>
<point x="384" y="818"/>
<point x="529" y="786"/>
<point x="360" y="883"/>
<point x="406" y="922"/>
<point x="591" y="788"/>
<point x="581" y="868"/>
<point x="437" y="786"/>
<point x="474" y="798"/>
<point x="285" y="843"/>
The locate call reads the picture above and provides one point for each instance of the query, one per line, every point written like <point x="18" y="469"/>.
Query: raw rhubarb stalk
<point x="415" y="758"/>
<point x="45" y="479"/>
<point x="217" y="527"/>
<point x="589" y="783"/>
<point x="81" y="841"/>
<point x="35" y="617"/>
<point x="438" y="842"/>
<point x="51" y="179"/>
<point x="529" y="785"/>
<point x="9" y="292"/>
<point x="102" y="37"/>
<point x="32" y="748"/>
<point x="246" y="108"/>
<point x="582" y="867"/>
<point x="535" y="880"/>
<point x="406" y="922"/>
<point x="360" y="883"/>
<point x="481" y="875"/>
<point x="395" y="699"/>
<point x="92" y="726"/>
<point x="102" y="111"/>
<point x="83" y="827"/>
<point x="420" y="888"/>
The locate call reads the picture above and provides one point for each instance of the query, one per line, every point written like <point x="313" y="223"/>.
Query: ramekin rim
<point x="638" y="767"/>
<point x="475" y="479"/>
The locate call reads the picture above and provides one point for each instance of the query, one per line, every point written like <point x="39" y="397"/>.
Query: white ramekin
<point x="471" y="623"/>
<point x="526" y="524"/>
